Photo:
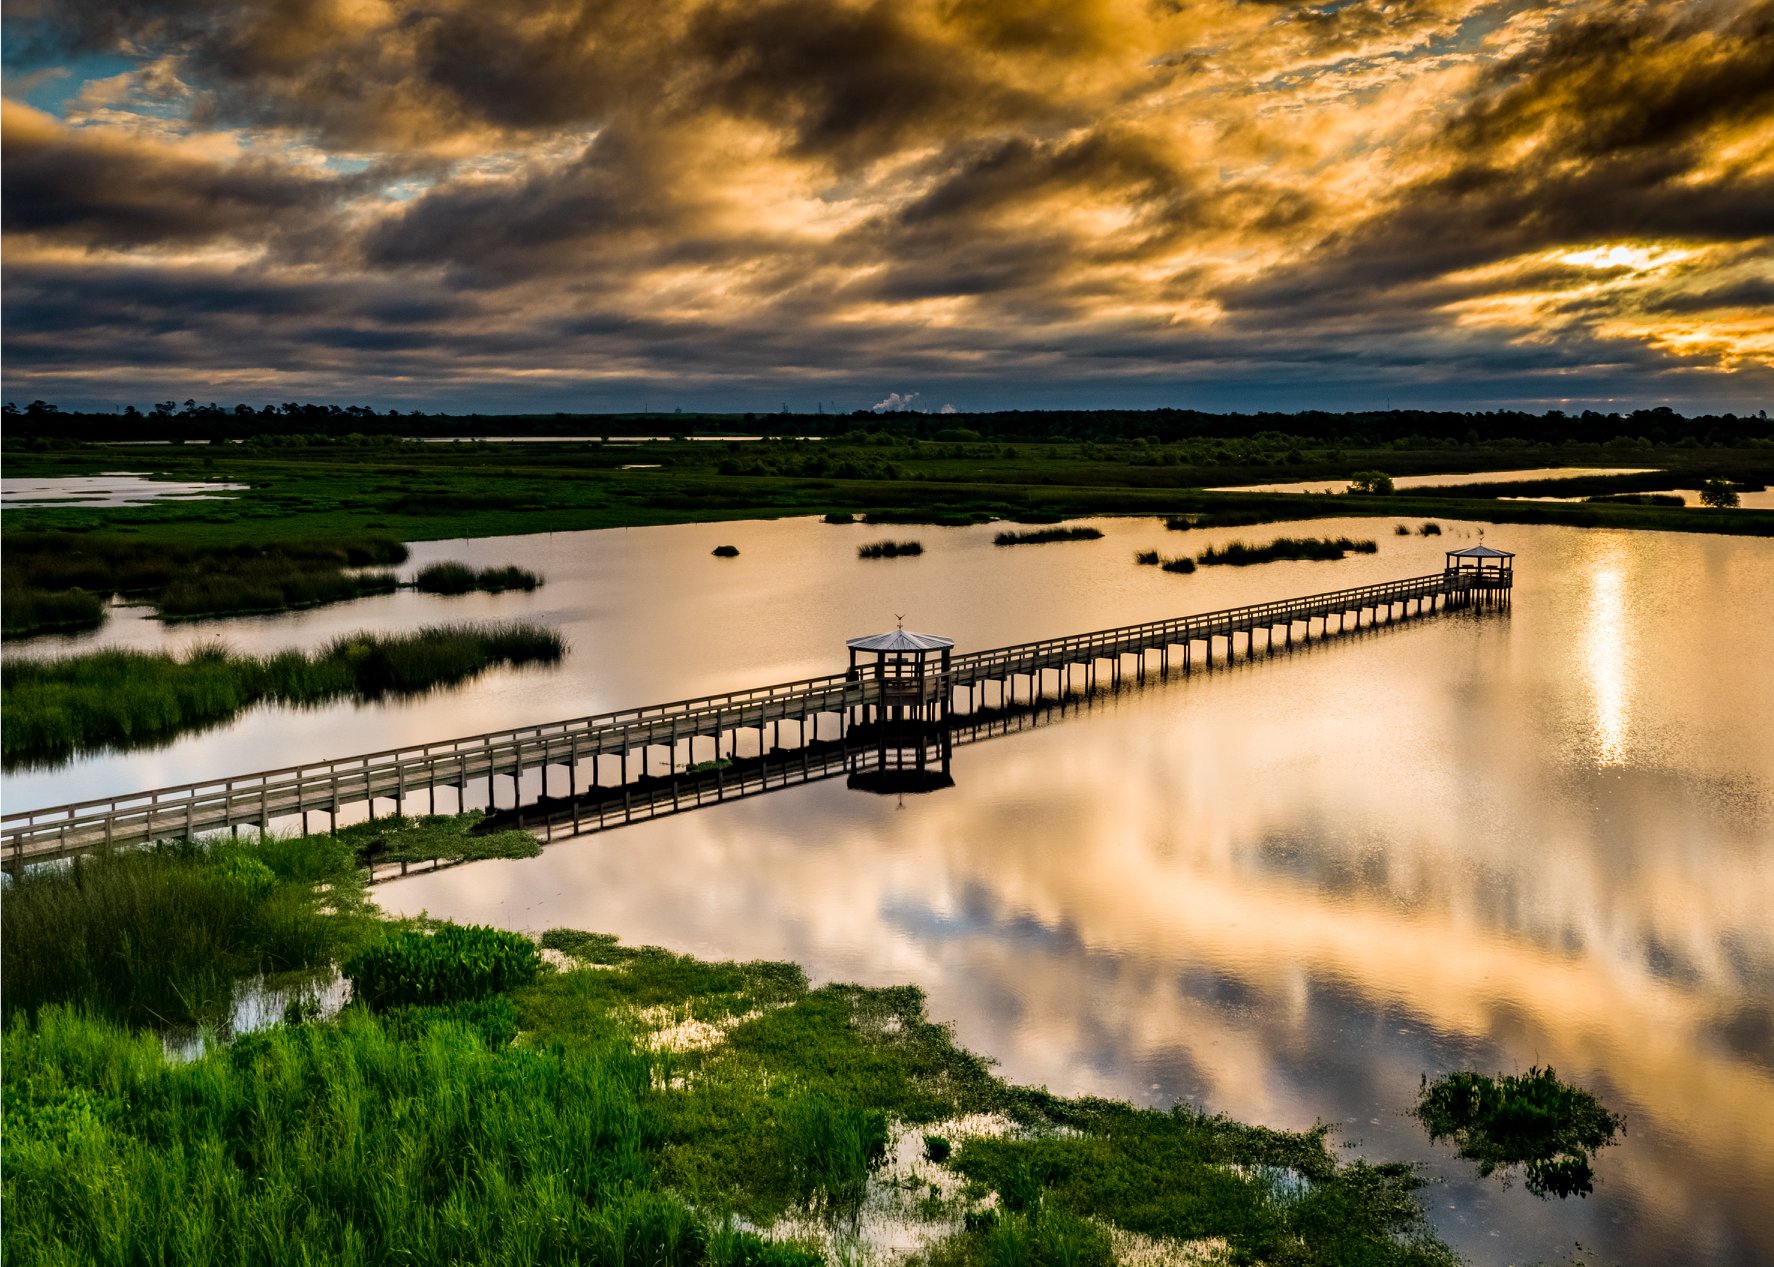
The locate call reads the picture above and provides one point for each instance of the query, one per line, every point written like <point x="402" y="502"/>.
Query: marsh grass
<point x="1429" y="530"/>
<point x="161" y="935"/>
<point x="459" y="578"/>
<point x="455" y="964"/>
<point x="58" y="707"/>
<point x="1183" y="565"/>
<point x="725" y="552"/>
<point x="1040" y="536"/>
<point x="1638" y="499"/>
<point x="889" y="549"/>
<point x="1147" y="558"/>
<point x="1315" y="549"/>
<point x="447" y="838"/>
<point x="838" y="517"/>
<point x="187" y="582"/>
<point x="26" y="612"/>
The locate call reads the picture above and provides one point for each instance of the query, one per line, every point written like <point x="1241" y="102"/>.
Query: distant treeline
<point x="168" y="420"/>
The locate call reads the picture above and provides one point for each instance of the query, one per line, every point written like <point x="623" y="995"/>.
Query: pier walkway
<point x="638" y="755"/>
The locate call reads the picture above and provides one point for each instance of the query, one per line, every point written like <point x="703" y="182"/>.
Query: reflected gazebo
<point x="904" y="711"/>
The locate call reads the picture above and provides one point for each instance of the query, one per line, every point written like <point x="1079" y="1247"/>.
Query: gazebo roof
<point x="900" y="640"/>
<point x="1479" y="552"/>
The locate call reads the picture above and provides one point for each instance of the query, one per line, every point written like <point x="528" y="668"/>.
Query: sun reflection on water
<point x="1607" y="659"/>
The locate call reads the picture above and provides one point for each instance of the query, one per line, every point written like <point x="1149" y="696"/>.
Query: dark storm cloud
<point x="116" y="190"/>
<point x="703" y="191"/>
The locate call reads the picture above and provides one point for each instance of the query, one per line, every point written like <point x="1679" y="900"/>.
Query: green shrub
<point x="455" y="963"/>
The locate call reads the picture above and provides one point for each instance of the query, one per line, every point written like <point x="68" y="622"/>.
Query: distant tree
<point x="1370" y="482"/>
<point x="1718" y="494"/>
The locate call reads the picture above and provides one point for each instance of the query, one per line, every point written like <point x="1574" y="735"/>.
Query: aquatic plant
<point x="725" y="552"/>
<point x="1146" y="558"/>
<point x="455" y="964"/>
<point x="1040" y="536"/>
<point x="1552" y="1130"/>
<point x="838" y="517"/>
<point x="1401" y="530"/>
<point x="1429" y="530"/>
<point x="1638" y="499"/>
<point x="459" y="578"/>
<point x="435" y="838"/>
<point x="1322" y="549"/>
<point x="889" y="549"/>
<point x="1184" y="565"/>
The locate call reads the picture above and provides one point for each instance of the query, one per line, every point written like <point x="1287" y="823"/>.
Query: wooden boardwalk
<point x="629" y="752"/>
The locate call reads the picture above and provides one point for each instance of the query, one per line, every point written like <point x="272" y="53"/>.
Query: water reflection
<point x="1607" y="651"/>
<point x="1289" y="889"/>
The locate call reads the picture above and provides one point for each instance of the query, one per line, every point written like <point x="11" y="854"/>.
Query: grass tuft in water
<point x="1040" y="536"/>
<point x="459" y="578"/>
<point x="889" y="549"/>
<point x="725" y="552"/>
<point x="1315" y="549"/>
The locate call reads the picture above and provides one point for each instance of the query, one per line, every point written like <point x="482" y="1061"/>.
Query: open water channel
<point x="1285" y="891"/>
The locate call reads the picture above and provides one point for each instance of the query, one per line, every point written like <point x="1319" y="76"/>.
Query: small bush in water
<point x="456" y="963"/>
<point x="725" y="552"/>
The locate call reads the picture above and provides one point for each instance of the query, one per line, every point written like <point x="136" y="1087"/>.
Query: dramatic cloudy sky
<point x="613" y="203"/>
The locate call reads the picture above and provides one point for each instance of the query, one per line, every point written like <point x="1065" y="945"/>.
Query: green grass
<point x="1550" y="1129"/>
<point x="26" y="612"/>
<point x="434" y="838"/>
<point x="491" y="1110"/>
<point x="1317" y="549"/>
<point x="889" y="549"/>
<point x="459" y="578"/>
<point x="1040" y="536"/>
<point x="57" y="708"/>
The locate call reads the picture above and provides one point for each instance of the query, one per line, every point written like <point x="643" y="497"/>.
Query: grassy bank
<point x="625" y="1106"/>
<point x="57" y="708"/>
<point x="332" y="491"/>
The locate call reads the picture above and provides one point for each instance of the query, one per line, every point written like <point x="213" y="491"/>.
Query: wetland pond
<point x="1284" y="890"/>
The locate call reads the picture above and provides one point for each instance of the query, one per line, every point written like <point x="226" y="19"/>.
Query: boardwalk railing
<point x="632" y="737"/>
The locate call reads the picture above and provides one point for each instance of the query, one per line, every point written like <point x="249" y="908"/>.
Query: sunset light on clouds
<point x="574" y="204"/>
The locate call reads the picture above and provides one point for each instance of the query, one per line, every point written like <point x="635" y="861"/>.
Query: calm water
<point x="1446" y="481"/>
<point x="1285" y="891"/>
<point x="112" y="488"/>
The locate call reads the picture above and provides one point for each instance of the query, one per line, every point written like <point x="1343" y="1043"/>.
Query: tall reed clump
<point x="1430" y="530"/>
<point x="1317" y="549"/>
<point x="58" y="707"/>
<point x="26" y="612"/>
<point x="160" y="935"/>
<point x="459" y="578"/>
<point x="1041" y="536"/>
<point x="889" y="549"/>
<point x="358" y="1141"/>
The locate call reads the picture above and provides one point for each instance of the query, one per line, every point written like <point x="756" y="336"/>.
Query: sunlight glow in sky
<point x="598" y="203"/>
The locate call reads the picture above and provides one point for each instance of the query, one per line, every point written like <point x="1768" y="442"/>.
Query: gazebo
<point x="904" y="709"/>
<point x="1481" y="571"/>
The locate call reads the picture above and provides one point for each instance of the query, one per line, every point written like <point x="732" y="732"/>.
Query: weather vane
<point x="900" y="617"/>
